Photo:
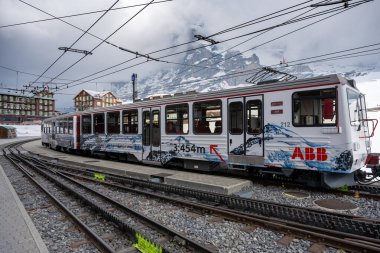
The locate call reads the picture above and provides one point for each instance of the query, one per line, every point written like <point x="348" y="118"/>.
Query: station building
<point x="87" y="99"/>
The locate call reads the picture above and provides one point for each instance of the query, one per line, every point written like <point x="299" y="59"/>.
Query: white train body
<point x="302" y="128"/>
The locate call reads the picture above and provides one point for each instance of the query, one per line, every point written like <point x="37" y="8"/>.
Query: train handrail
<point x="374" y="125"/>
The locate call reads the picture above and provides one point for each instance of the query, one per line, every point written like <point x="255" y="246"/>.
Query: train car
<point x="314" y="130"/>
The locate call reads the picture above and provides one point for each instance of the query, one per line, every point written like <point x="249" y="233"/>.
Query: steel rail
<point x="328" y="220"/>
<point x="190" y="243"/>
<point x="98" y="241"/>
<point x="330" y="237"/>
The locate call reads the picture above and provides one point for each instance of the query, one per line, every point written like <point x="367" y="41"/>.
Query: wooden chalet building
<point x="87" y="99"/>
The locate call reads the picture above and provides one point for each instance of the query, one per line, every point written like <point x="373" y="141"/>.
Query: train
<point x="314" y="131"/>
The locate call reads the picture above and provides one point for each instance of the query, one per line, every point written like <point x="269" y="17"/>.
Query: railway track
<point x="110" y="210"/>
<point x="342" y="231"/>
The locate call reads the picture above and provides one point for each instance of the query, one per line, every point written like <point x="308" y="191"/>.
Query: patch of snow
<point x="369" y="85"/>
<point x="190" y="79"/>
<point x="28" y="130"/>
<point x="189" y="56"/>
<point x="375" y="140"/>
<point x="247" y="54"/>
<point x="220" y="73"/>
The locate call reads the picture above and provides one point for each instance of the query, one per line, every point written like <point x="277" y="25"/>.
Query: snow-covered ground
<point x="28" y="130"/>
<point x="375" y="141"/>
<point x="370" y="86"/>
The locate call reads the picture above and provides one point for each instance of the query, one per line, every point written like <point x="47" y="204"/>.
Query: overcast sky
<point x="33" y="47"/>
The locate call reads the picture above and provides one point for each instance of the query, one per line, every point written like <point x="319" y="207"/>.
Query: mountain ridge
<point x="210" y="69"/>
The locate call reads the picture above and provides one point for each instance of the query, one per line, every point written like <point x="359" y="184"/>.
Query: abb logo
<point x="310" y="154"/>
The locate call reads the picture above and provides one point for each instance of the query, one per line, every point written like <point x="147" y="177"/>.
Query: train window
<point x="70" y="125"/>
<point x="61" y="126"/>
<point x="99" y="123"/>
<point x="65" y="126"/>
<point x="314" y="108"/>
<point x="207" y="117"/>
<point x="86" y="124"/>
<point x="146" y="128"/>
<point x="113" y="122"/>
<point x="236" y="118"/>
<point x="156" y="134"/>
<point x="354" y="106"/>
<point x="177" y="119"/>
<point x="254" y="117"/>
<point x="130" y="122"/>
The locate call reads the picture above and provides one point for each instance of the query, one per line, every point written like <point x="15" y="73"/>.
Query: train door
<point x="54" y="130"/>
<point x="76" y="131"/>
<point x="245" y="125"/>
<point x="151" y="135"/>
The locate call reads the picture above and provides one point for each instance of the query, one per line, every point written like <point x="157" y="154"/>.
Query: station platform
<point x="17" y="231"/>
<point x="217" y="184"/>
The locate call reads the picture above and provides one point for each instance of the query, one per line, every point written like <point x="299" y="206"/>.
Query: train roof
<point x="195" y="96"/>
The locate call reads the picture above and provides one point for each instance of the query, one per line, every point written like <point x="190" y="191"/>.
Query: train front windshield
<point x="356" y="107"/>
<point x="358" y="115"/>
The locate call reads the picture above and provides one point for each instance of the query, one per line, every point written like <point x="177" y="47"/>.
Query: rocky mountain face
<point x="209" y="69"/>
<point x="217" y="70"/>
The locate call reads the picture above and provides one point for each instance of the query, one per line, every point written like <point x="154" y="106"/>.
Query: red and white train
<point x="315" y="130"/>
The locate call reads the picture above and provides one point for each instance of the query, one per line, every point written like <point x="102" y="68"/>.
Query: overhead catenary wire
<point x="109" y="36"/>
<point x="103" y="40"/>
<point x="196" y="40"/>
<point x="47" y="77"/>
<point x="147" y="56"/>
<point x="160" y="58"/>
<point x="297" y="20"/>
<point x="117" y="71"/>
<point x="303" y="61"/>
<point x="286" y="34"/>
<point x="51" y="65"/>
<point x="135" y="52"/>
<point x="253" y="37"/>
<point x="250" y="71"/>
<point x="266" y="30"/>
<point x="80" y="14"/>
<point x="95" y="36"/>
<point x="262" y="18"/>
<point x="240" y="73"/>
<point x="84" y="32"/>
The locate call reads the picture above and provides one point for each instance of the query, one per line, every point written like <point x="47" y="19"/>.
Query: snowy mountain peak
<point x="211" y="68"/>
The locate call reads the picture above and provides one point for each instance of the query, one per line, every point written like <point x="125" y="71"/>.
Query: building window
<point x="130" y="122"/>
<point x="86" y="124"/>
<point x="113" y="122"/>
<point x="177" y="119"/>
<point x="314" y="108"/>
<point x="207" y="117"/>
<point x="99" y="123"/>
